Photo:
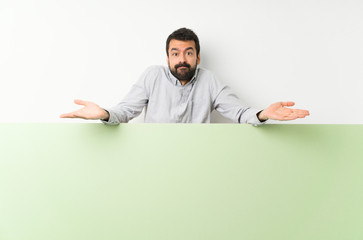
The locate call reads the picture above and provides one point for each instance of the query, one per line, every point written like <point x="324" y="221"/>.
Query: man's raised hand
<point x="279" y="111"/>
<point x="89" y="111"/>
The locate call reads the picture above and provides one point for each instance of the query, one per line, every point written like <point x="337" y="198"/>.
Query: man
<point x="182" y="93"/>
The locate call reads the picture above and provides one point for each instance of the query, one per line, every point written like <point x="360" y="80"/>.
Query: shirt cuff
<point x="112" y="120"/>
<point x="253" y="119"/>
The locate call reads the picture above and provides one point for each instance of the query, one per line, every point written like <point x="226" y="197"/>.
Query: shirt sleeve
<point x="134" y="102"/>
<point x="228" y="105"/>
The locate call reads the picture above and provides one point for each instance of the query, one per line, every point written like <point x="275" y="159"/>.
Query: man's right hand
<point x="89" y="111"/>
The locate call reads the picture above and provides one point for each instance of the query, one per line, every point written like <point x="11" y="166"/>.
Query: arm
<point x="131" y="106"/>
<point x="227" y="103"/>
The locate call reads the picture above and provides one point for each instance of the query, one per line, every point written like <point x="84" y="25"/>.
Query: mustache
<point x="182" y="65"/>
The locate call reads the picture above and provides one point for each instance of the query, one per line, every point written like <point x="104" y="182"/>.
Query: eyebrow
<point x="177" y="49"/>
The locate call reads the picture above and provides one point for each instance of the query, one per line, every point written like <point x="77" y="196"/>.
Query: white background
<point x="308" y="51"/>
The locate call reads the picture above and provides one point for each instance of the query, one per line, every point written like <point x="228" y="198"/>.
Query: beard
<point x="183" y="74"/>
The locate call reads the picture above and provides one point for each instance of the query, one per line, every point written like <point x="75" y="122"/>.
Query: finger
<point x="287" y="104"/>
<point x="80" y="102"/>
<point x="296" y="114"/>
<point x="301" y="112"/>
<point x="67" y="115"/>
<point x="74" y="114"/>
<point x="286" y="118"/>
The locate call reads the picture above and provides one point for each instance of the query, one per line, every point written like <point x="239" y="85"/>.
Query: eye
<point x="190" y="53"/>
<point x="174" y="54"/>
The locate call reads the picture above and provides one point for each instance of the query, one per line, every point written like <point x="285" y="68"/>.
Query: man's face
<point x="183" y="59"/>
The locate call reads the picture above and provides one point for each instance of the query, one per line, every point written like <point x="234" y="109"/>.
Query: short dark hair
<point x="183" y="34"/>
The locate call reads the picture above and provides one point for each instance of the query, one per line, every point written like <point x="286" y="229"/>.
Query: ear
<point x="198" y="59"/>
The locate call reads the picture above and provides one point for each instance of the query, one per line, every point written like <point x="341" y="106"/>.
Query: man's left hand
<point x="279" y="111"/>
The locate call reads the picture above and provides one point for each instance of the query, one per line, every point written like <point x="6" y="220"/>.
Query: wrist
<point x="106" y="115"/>
<point x="261" y="116"/>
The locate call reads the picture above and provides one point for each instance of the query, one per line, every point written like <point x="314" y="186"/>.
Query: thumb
<point x="287" y="104"/>
<point x="80" y="102"/>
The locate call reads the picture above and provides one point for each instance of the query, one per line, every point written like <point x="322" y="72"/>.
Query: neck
<point x="183" y="82"/>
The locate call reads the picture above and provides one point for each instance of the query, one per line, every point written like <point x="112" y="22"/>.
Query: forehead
<point x="181" y="45"/>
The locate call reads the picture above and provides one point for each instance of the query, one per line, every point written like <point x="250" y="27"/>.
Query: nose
<point x="182" y="58"/>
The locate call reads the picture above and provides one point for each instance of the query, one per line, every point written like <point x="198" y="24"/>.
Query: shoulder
<point x="156" y="70"/>
<point x="207" y="77"/>
<point x="210" y="80"/>
<point x="204" y="72"/>
<point x="152" y="73"/>
<point x="153" y="76"/>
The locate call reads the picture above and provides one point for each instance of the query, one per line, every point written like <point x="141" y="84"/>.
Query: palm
<point x="89" y="111"/>
<point x="279" y="111"/>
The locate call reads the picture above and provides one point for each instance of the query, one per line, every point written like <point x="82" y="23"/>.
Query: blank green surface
<point x="180" y="181"/>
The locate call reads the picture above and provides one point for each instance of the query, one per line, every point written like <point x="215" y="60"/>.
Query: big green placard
<point x="180" y="181"/>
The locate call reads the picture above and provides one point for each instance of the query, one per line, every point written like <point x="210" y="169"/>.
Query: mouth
<point x="183" y="68"/>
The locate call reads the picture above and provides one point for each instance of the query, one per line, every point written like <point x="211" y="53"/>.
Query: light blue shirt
<point x="167" y="101"/>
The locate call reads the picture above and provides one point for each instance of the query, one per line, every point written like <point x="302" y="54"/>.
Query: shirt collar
<point x="176" y="82"/>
